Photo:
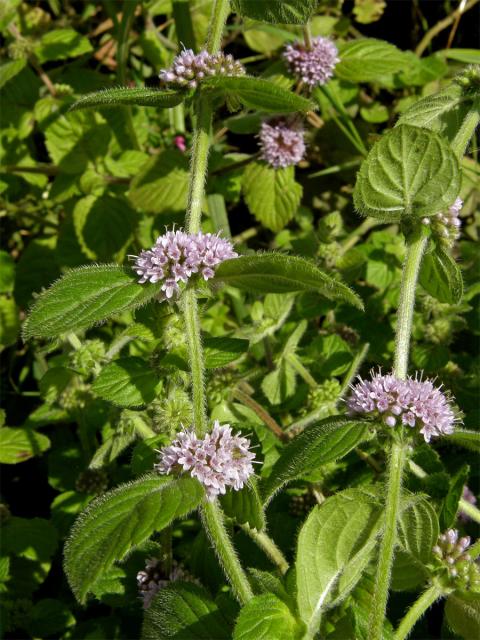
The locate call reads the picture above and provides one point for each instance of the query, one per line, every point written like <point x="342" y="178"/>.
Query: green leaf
<point x="468" y="56"/>
<point x="329" y="440"/>
<point x="408" y="172"/>
<point x="184" y="611"/>
<point x="334" y="546"/>
<point x="266" y="617"/>
<point x="368" y="59"/>
<point x="462" y="610"/>
<point x="464" y="438"/>
<point x="450" y="504"/>
<point x="161" y="184"/>
<point x="280" y="384"/>
<point x="256" y="93"/>
<point x="85" y="296"/>
<point x="273" y="11"/>
<point x="7" y="272"/>
<point x="9" y="321"/>
<point x="441" y="277"/>
<point x="10" y="69"/>
<point x="49" y="617"/>
<point x="111" y="449"/>
<point x="122" y="519"/>
<point x="34" y="539"/>
<point x="280" y="273"/>
<point x="126" y="382"/>
<point x="121" y="96"/>
<point x="221" y="351"/>
<point x="272" y="195"/>
<point x="418" y="531"/>
<point x="18" y="445"/>
<point x="245" y="506"/>
<point x="60" y="44"/>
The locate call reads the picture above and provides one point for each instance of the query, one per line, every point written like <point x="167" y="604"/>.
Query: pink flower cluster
<point x="188" y="68"/>
<point x="312" y="66"/>
<point x="451" y="550"/>
<point x="281" y="143"/>
<point x="447" y="225"/>
<point x="219" y="460"/>
<point x="412" y="402"/>
<point x="177" y="256"/>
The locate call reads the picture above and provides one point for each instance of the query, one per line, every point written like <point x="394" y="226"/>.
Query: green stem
<point x="199" y="163"/>
<point x="307" y="36"/>
<point x="213" y="522"/>
<point x="416" y="611"/>
<point x="195" y="349"/>
<point x="267" y="545"/>
<point x="416" y="244"/>
<point x="301" y="370"/>
<point x="385" y="559"/>
<point x="467" y="129"/>
<point x="219" y="15"/>
<point x="353" y="369"/>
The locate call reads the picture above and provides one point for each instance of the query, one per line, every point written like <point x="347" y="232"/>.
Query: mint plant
<point x="226" y="467"/>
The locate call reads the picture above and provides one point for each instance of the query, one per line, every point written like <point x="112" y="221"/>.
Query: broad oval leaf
<point x="85" y="296"/>
<point x="329" y="440"/>
<point x="462" y="611"/>
<point x="441" y="277"/>
<point x="184" y="610"/>
<point x="368" y="59"/>
<point x="245" y="506"/>
<point x="417" y="532"/>
<point x="272" y="195"/>
<point x="223" y="350"/>
<point x="408" y="172"/>
<point x="256" y="93"/>
<point x="122" y="519"/>
<point x="275" y="12"/>
<point x="18" y="445"/>
<point x="121" y="96"/>
<point x="266" y="617"/>
<point x="280" y="273"/>
<point x="126" y="382"/>
<point x="334" y="546"/>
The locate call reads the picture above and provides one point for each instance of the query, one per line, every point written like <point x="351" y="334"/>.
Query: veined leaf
<point x="280" y="273"/>
<point x="223" y="350"/>
<point x="184" y="610"/>
<point x="18" y="445"/>
<point x="121" y="96"/>
<point x="462" y="611"/>
<point x="334" y="546"/>
<point x="272" y="195"/>
<point x="256" y="93"/>
<point x="84" y="297"/>
<point x="245" y="506"/>
<point x="10" y="69"/>
<point x="324" y="442"/>
<point x="59" y="44"/>
<point x="126" y="382"/>
<point x="368" y="59"/>
<point x="450" y="504"/>
<point x="464" y="438"/>
<point x="121" y="519"/>
<point x="408" y="172"/>
<point x="275" y="12"/>
<point x="441" y="277"/>
<point x="433" y="112"/>
<point x="266" y="617"/>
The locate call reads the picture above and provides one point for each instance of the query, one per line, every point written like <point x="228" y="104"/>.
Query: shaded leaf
<point x="441" y="277"/>
<point x="462" y="611"/>
<point x="127" y="382"/>
<point x="223" y="350"/>
<point x="266" y="617"/>
<point x="18" y="445"/>
<point x="121" y="96"/>
<point x="285" y="12"/>
<point x="245" y="506"/>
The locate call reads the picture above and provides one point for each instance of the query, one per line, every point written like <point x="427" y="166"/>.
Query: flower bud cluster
<point x="300" y="506"/>
<point x="152" y="579"/>
<point x="219" y="460"/>
<point x="446" y="226"/>
<point x="91" y="353"/>
<point x="188" y="68"/>
<point x="170" y="413"/>
<point x="92" y="481"/>
<point x="412" y="402"/>
<point x="451" y="554"/>
<point x="282" y="143"/>
<point x="312" y="66"/>
<point x="177" y="256"/>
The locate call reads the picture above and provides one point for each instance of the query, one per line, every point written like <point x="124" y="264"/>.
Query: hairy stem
<point x="213" y="522"/>
<point x="267" y="545"/>
<point x="197" y="369"/>
<point x="266" y="418"/>
<point x="199" y="163"/>
<point x="416" y="611"/>
<point x="467" y="129"/>
<point x="385" y="559"/>
<point x="415" y="247"/>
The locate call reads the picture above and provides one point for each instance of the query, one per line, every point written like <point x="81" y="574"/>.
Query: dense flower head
<point x="451" y="553"/>
<point x="282" y="143"/>
<point x="189" y="68"/>
<point x="412" y="402"/>
<point x="313" y="66"/>
<point x="153" y="578"/>
<point x="177" y="256"/>
<point x="219" y="460"/>
<point x="446" y="226"/>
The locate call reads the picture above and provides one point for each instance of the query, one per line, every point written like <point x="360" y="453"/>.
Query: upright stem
<point x="415" y="248"/>
<point x="268" y="546"/>
<point x="199" y="163"/>
<point x="195" y="349"/>
<point x="212" y="518"/>
<point x="384" y="567"/>
<point x="416" y="611"/>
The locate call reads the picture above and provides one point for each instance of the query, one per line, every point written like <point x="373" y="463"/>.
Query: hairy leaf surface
<point x="121" y="96"/>
<point x="266" y="617"/>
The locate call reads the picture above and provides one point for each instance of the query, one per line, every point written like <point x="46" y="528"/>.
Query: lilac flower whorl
<point x="315" y="66"/>
<point x="281" y="143"/>
<point x="447" y="225"/>
<point x="412" y="402"/>
<point x="177" y="256"/>
<point x="188" y="68"/>
<point x="219" y="460"/>
<point x="451" y="553"/>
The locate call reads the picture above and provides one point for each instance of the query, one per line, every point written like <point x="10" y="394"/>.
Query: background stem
<point x="267" y="545"/>
<point x="416" y="611"/>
